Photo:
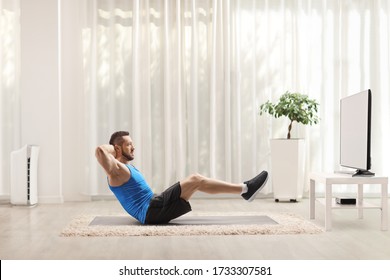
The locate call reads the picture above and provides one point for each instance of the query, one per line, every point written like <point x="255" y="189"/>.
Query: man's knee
<point x="190" y="185"/>
<point x="197" y="179"/>
<point x="193" y="182"/>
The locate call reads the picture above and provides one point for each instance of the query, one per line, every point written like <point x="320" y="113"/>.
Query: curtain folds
<point x="186" y="79"/>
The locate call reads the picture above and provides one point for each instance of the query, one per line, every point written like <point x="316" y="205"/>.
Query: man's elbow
<point x="99" y="151"/>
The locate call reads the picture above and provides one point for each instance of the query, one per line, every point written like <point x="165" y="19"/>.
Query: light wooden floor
<point x="33" y="233"/>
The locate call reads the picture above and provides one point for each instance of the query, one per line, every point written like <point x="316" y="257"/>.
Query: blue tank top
<point x="134" y="195"/>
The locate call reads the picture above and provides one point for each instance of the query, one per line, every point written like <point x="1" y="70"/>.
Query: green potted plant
<point x="295" y="106"/>
<point x="288" y="154"/>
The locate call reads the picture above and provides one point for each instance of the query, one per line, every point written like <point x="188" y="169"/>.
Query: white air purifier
<point x="24" y="175"/>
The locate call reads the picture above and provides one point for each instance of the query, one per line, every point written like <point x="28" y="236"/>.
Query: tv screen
<point x="355" y="132"/>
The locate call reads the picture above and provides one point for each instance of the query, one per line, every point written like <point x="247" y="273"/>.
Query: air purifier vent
<point x="28" y="179"/>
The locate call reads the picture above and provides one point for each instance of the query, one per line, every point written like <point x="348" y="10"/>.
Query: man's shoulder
<point x="120" y="176"/>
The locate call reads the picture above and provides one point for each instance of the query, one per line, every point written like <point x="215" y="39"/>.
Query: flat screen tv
<point x="355" y="133"/>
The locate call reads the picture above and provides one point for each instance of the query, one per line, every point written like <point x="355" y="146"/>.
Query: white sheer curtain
<point x="186" y="79"/>
<point x="9" y="87"/>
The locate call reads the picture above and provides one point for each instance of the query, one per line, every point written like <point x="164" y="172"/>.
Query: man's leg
<point x="196" y="182"/>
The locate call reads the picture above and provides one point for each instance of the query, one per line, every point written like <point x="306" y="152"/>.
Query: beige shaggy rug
<point x="281" y="223"/>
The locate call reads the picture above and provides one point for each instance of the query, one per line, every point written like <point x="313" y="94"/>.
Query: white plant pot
<point x="288" y="161"/>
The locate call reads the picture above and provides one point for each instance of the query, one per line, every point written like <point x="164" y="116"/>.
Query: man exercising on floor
<point x="137" y="198"/>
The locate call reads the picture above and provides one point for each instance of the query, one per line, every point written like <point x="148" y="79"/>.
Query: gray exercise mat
<point x="188" y="220"/>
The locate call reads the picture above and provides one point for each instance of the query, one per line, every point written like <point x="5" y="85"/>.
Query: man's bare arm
<point x="116" y="171"/>
<point x="105" y="155"/>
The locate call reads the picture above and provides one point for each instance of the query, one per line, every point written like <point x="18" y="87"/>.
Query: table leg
<point x="312" y="197"/>
<point x="384" y="200"/>
<point x="328" y="207"/>
<point x="360" y="201"/>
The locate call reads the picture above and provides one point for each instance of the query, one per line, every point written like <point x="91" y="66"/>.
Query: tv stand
<point x="330" y="179"/>
<point x="363" y="173"/>
<point x="357" y="173"/>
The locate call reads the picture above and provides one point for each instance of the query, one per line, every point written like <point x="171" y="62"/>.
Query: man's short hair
<point x="116" y="137"/>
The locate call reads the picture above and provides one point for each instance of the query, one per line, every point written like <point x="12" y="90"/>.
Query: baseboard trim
<point x="50" y="199"/>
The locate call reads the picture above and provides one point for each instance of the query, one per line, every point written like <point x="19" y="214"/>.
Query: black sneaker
<point x="255" y="185"/>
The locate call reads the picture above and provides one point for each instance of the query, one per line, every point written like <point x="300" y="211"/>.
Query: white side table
<point x="330" y="179"/>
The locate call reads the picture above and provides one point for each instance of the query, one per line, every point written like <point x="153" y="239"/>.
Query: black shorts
<point x="167" y="206"/>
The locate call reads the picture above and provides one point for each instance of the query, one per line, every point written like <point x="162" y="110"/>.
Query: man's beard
<point x="127" y="156"/>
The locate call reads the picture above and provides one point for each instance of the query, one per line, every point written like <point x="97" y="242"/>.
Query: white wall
<point x="40" y="94"/>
